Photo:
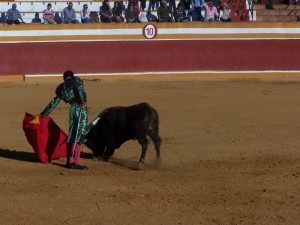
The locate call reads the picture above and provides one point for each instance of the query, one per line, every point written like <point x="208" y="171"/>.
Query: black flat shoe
<point x="76" y="166"/>
<point x="68" y="165"/>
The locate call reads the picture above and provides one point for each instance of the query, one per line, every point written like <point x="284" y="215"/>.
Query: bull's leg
<point x="108" y="153"/>
<point x="100" y="155"/>
<point x="157" y="148"/>
<point x="144" y="143"/>
<point x="99" y="151"/>
<point x="157" y="142"/>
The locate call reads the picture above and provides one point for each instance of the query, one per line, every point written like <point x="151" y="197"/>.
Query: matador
<point x="72" y="92"/>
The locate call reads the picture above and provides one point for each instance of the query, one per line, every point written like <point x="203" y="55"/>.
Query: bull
<point x="120" y="124"/>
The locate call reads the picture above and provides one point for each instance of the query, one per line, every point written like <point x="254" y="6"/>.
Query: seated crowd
<point x="166" y="12"/>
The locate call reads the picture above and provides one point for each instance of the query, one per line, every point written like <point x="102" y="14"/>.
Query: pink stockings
<point x="76" y="154"/>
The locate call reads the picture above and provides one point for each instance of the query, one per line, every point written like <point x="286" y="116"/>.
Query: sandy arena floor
<point x="230" y="155"/>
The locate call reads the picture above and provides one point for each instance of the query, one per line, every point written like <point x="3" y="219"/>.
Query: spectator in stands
<point x="179" y="13"/>
<point x="48" y="15"/>
<point x="211" y="12"/>
<point x="135" y="4"/>
<point x="195" y="11"/>
<point x="226" y="13"/>
<point x="105" y="12"/>
<point x="13" y="15"/>
<point x="131" y="14"/>
<point x="164" y="13"/>
<point x="85" y="14"/>
<point x="117" y="13"/>
<point x="68" y="14"/>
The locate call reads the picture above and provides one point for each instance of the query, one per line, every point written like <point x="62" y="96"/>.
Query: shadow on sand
<point x="62" y="163"/>
<point x="126" y="164"/>
<point x="29" y="156"/>
<point x="18" y="155"/>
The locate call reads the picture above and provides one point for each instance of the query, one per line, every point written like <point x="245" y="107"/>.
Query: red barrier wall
<point x="141" y="56"/>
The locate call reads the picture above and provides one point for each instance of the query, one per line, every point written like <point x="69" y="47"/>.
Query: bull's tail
<point x="151" y="117"/>
<point x="153" y="131"/>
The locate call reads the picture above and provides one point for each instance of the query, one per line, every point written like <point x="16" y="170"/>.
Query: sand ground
<point x="230" y="155"/>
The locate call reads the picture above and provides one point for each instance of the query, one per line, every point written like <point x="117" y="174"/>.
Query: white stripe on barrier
<point x="156" y="39"/>
<point x="166" y="72"/>
<point x="93" y="32"/>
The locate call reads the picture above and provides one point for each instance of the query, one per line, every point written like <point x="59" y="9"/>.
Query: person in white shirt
<point x="226" y="13"/>
<point x="85" y="14"/>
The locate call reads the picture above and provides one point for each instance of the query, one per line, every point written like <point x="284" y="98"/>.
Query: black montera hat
<point x="68" y="74"/>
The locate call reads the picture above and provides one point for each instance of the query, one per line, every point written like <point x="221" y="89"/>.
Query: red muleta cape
<point x="46" y="138"/>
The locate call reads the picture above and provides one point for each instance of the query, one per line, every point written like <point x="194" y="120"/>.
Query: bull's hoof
<point x="105" y="158"/>
<point x="100" y="159"/>
<point x="140" y="166"/>
<point x="141" y="162"/>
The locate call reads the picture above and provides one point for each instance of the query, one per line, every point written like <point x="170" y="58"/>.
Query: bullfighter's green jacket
<point x="74" y="95"/>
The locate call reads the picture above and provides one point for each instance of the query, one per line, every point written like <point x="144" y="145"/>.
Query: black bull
<point x="121" y="124"/>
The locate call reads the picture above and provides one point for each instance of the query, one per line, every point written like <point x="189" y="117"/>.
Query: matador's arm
<point x="49" y="108"/>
